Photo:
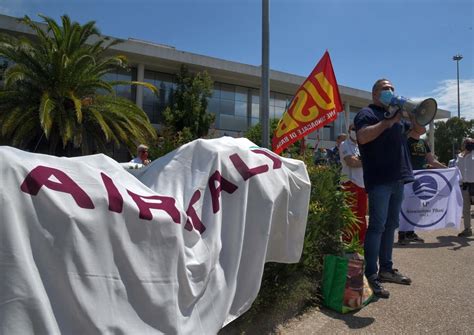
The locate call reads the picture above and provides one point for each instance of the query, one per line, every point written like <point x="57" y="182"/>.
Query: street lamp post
<point x="265" y="86"/>
<point x="457" y="58"/>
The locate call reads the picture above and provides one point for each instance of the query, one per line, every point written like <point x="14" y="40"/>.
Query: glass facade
<point x="340" y="123"/>
<point x="154" y="105"/>
<point x="120" y="153"/>
<point x="236" y="108"/>
<point x="229" y="103"/>
<point x="126" y="91"/>
<point x="353" y="112"/>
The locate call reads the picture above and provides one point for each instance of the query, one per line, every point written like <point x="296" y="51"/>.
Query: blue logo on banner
<point x="427" y="186"/>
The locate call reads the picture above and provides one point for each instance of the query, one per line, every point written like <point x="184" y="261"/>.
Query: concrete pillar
<point x="347" y="115"/>
<point x="140" y="77"/>
<point x="431" y="137"/>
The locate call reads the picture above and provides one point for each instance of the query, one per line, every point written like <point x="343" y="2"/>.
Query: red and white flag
<point x="316" y="103"/>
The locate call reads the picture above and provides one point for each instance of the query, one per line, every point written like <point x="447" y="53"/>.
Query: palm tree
<point x="52" y="91"/>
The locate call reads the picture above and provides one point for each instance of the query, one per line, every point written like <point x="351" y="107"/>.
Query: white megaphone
<point x="423" y="112"/>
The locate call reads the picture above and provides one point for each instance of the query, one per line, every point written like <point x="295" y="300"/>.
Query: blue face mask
<point x="386" y="97"/>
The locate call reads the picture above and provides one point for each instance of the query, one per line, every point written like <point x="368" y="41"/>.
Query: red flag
<point x="315" y="104"/>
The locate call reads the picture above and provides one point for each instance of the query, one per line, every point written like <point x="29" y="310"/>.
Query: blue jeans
<point x="385" y="202"/>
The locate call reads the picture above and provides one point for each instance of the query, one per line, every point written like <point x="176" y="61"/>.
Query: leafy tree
<point x="51" y="91"/>
<point x="449" y="135"/>
<point x="188" y="114"/>
<point x="254" y="133"/>
<point x="3" y="67"/>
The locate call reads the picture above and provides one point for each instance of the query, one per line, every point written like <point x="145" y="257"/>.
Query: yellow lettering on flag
<point x="327" y="88"/>
<point x="285" y="125"/>
<point x="317" y="99"/>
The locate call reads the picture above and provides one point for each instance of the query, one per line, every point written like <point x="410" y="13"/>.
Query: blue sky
<point x="411" y="42"/>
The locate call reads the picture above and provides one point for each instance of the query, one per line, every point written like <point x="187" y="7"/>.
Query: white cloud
<point x="446" y="94"/>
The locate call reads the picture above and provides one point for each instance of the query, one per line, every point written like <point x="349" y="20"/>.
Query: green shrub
<point x="169" y="140"/>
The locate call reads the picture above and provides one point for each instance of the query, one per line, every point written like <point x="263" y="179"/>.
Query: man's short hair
<point x="377" y="83"/>
<point x="142" y="147"/>
<point x="341" y="135"/>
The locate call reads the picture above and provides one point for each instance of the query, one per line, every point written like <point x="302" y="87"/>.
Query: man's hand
<point x="390" y="122"/>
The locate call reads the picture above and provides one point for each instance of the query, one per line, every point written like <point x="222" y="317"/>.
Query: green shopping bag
<point x="345" y="288"/>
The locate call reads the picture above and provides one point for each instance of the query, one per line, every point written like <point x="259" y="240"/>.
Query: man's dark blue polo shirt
<point x="385" y="159"/>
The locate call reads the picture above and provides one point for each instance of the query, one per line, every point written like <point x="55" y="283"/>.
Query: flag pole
<point x="265" y="85"/>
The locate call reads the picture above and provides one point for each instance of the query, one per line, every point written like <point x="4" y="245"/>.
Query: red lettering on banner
<point x="166" y="204"/>
<point x="224" y="184"/>
<point x="115" y="198"/>
<point x="244" y="170"/>
<point x="39" y="177"/>
<point x="276" y="161"/>
<point x="193" y="219"/>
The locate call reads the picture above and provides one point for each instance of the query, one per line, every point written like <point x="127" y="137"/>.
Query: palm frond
<point x="53" y="89"/>
<point x="13" y="74"/>
<point x="67" y="131"/>
<point x="151" y="87"/>
<point x="53" y="27"/>
<point x="42" y="36"/>
<point x="99" y="120"/>
<point x="47" y="105"/>
<point x="77" y="106"/>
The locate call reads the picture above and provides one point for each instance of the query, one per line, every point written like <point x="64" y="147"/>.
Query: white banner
<point x="87" y="248"/>
<point x="433" y="201"/>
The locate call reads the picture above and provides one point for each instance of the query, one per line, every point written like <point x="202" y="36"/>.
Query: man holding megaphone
<point x="382" y="137"/>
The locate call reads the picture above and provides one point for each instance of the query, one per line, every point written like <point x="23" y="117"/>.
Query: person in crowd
<point x="352" y="170"/>
<point x="421" y="158"/>
<point x="465" y="163"/>
<point x="142" y="155"/>
<point x="333" y="154"/>
<point x="386" y="166"/>
<point x="452" y="162"/>
<point x="320" y="156"/>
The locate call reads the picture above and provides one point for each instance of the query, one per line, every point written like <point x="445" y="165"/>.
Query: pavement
<point x="439" y="301"/>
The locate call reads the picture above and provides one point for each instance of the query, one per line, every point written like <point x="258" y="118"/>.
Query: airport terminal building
<point x="236" y="94"/>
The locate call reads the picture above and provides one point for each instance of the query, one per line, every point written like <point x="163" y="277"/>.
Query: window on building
<point x="339" y="126"/>
<point x="231" y="106"/>
<point x="154" y="105"/>
<point x="279" y="103"/>
<point x="124" y="91"/>
<point x="255" y="107"/>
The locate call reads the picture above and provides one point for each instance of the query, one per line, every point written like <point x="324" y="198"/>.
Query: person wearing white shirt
<point x="142" y="155"/>
<point x="352" y="170"/>
<point x="465" y="163"/>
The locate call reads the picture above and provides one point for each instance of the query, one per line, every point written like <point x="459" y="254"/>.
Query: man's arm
<point x="434" y="162"/>
<point x="370" y="133"/>
<point x="353" y="161"/>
